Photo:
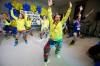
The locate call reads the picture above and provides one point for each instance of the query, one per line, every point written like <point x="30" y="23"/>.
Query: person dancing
<point x="20" y="24"/>
<point x="55" y="31"/>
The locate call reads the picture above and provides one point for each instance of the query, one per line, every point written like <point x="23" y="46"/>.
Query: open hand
<point x="70" y="4"/>
<point x="81" y="8"/>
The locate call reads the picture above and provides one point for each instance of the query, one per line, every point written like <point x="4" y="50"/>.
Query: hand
<point x="13" y="8"/>
<point x="81" y="8"/>
<point x="50" y="2"/>
<point x="70" y="4"/>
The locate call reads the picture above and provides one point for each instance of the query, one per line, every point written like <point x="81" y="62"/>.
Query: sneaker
<point x="72" y="43"/>
<point x="46" y="63"/>
<point x="58" y="56"/>
<point x="16" y="43"/>
<point x="26" y="42"/>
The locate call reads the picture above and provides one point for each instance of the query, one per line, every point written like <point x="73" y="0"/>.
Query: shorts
<point x="23" y="32"/>
<point x="53" y="43"/>
<point x="7" y="28"/>
<point x="14" y="30"/>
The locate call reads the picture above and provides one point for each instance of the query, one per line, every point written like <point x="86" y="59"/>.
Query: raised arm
<point x="49" y="11"/>
<point x="80" y="10"/>
<point x="12" y="14"/>
<point x="64" y="19"/>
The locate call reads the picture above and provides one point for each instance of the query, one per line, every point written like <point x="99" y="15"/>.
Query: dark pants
<point x="7" y="29"/>
<point x="14" y="30"/>
<point x="48" y="46"/>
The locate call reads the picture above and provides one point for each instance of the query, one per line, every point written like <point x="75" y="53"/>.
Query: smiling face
<point x="57" y="18"/>
<point x="21" y="16"/>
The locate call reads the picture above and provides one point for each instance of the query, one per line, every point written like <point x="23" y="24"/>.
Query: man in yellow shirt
<point x="55" y="31"/>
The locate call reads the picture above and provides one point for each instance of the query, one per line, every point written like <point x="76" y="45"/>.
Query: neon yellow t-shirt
<point x="28" y="24"/>
<point x="45" y="24"/>
<point x="20" y="22"/>
<point x="13" y="23"/>
<point x="56" y="30"/>
<point x="6" y="22"/>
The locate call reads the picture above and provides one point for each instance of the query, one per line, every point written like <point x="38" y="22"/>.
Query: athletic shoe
<point x="58" y="56"/>
<point x="72" y="43"/>
<point x="46" y="63"/>
<point x="26" y="42"/>
<point x="16" y="43"/>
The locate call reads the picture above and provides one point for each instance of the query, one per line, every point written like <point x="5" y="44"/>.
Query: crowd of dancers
<point x="50" y="26"/>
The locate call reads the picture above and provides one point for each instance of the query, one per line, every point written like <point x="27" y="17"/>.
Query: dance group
<point x="22" y="25"/>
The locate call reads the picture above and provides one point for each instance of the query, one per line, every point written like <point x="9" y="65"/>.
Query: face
<point x="57" y="18"/>
<point x="20" y="16"/>
<point x="44" y="17"/>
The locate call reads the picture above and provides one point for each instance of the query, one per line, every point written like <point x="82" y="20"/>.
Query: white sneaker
<point x="46" y="63"/>
<point x="58" y="56"/>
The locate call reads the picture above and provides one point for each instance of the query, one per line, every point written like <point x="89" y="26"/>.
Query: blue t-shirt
<point x="76" y="26"/>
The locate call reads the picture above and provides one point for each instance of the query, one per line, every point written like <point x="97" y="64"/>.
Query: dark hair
<point x="61" y="16"/>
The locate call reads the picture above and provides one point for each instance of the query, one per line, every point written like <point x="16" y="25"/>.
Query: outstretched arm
<point x="12" y="14"/>
<point x="64" y="19"/>
<point x="49" y="11"/>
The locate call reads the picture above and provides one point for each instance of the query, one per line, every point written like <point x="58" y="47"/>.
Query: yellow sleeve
<point x="50" y="15"/>
<point x="25" y="16"/>
<point x="6" y="22"/>
<point x="13" y="23"/>
<point x="12" y="14"/>
<point x="26" y="20"/>
<point x="66" y="16"/>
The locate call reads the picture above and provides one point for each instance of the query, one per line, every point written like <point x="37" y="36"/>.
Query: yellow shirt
<point x="56" y="30"/>
<point x="14" y="23"/>
<point x="45" y="24"/>
<point x="6" y="22"/>
<point x="28" y="24"/>
<point x="20" y="22"/>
